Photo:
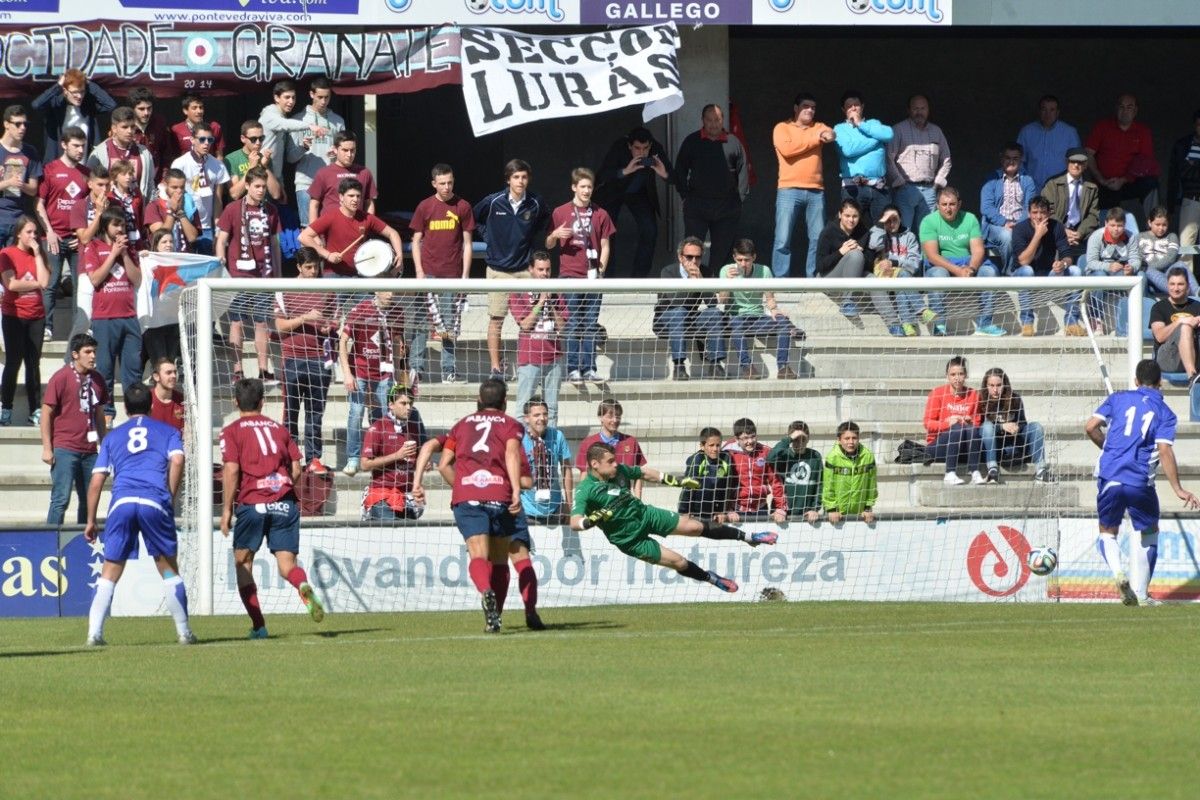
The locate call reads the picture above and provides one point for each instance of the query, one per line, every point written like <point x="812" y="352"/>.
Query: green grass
<point x="744" y="701"/>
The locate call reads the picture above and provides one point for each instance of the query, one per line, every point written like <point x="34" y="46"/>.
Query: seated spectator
<point x="689" y="316"/>
<point x="1075" y="202"/>
<point x="1159" y="251"/>
<point x="72" y="423"/>
<point x="1003" y="201"/>
<point x="800" y="466"/>
<point x="390" y="453"/>
<point x="1183" y="186"/>
<point x="848" y="482"/>
<point x="548" y="500"/>
<point x="625" y="447"/>
<point x="253" y="153"/>
<point x="1175" y="323"/>
<point x="862" y="158"/>
<point x="842" y="252"/>
<point x="72" y="102"/>
<point x="123" y="193"/>
<point x="204" y="175"/>
<point x="1110" y="251"/>
<point x="1122" y="158"/>
<point x="759" y="490"/>
<point x="713" y="468"/>
<point x="112" y="268"/>
<point x="1040" y="247"/>
<point x="374" y="332"/>
<point x="952" y="422"/>
<point x="1008" y="438"/>
<point x="24" y="275"/>
<point x="953" y="245"/>
<point x="173" y="210"/>
<point x="897" y="254"/>
<point x="541" y="318"/>
<point x="337" y="233"/>
<point x="122" y="145"/>
<point x="751" y="313"/>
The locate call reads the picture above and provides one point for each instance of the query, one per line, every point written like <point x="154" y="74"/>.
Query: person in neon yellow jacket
<point x="848" y="481"/>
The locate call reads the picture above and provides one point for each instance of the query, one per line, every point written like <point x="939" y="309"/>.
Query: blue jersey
<point x="137" y="454"/>
<point x="1138" y="419"/>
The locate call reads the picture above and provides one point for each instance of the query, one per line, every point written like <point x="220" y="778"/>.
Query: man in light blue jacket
<point x="862" y="157"/>
<point x="1004" y="201"/>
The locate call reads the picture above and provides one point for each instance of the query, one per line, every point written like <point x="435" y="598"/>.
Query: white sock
<point x="101" y="605"/>
<point x="1144" y="555"/>
<point x="177" y="602"/>
<point x="1107" y="545"/>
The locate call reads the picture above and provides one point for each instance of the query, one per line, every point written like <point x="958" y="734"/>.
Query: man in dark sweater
<point x="628" y="177"/>
<point x="712" y="178"/>
<point x="685" y="316"/>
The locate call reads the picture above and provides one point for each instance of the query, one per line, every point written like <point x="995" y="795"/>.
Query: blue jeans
<point x="583" y="320"/>
<point x="204" y="243"/>
<point x="960" y="443"/>
<point x="528" y="377"/>
<point x="378" y="391"/>
<point x="788" y="203"/>
<point x="872" y="201"/>
<point x="780" y="327"/>
<point x="1000" y="238"/>
<point x="305" y="381"/>
<point x="118" y="338"/>
<point x="937" y="300"/>
<point x="1158" y="279"/>
<point x="914" y="200"/>
<point x="1029" y="445"/>
<point x="70" y="470"/>
<point x="449" y="309"/>
<point x="1025" y="298"/>
<point x="302" y="207"/>
<point x="1101" y="306"/>
<point x="896" y="308"/>
<point x="67" y="257"/>
<point x="709" y="322"/>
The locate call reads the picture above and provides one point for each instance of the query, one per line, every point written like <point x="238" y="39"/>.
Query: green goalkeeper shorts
<point x="655" y="521"/>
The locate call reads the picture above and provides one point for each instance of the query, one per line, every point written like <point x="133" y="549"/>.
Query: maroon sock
<point x="527" y="581"/>
<point x="500" y="584"/>
<point x="249" y="594"/>
<point x="480" y="570"/>
<point x="296" y="577"/>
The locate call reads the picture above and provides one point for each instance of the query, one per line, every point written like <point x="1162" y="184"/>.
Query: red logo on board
<point x="990" y="561"/>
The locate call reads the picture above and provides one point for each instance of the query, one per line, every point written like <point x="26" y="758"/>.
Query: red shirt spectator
<point x="943" y="403"/>
<point x="168" y="411"/>
<point x="308" y="341"/>
<point x="540" y="345"/>
<point x="371" y="329"/>
<point x="158" y="212"/>
<point x="23" y="265"/>
<point x="324" y="188"/>
<point x="63" y="187"/>
<point x="250" y="228"/>
<point x="264" y="453"/>
<point x="340" y="232"/>
<point x="116" y="296"/>
<point x="75" y="400"/>
<point x="756" y="478"/>
<point x="627" y="449"/>
<point x="480" y="470"/>
<point x="441" y="224"/>
<point x="390" y="483"/>
<point x="1116" y="149"/>
<point x="589" y="225"/>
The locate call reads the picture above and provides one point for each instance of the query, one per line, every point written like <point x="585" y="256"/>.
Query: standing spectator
<point x="442" y="226"/>
<point x="548" y="501"/>
<point x="1040" y="248"/>
<point x="754" y="314"/>
<point x="1006" y="434"/>
<point x="182" y="132"/>
<point x="1075" y="202"/>
<point x="253" y="153"/>
<point x="918" y="163"/>
<point x="626" y="448"/>
<point x="897" y="254"/>
<point x="509" y="221"/>
<point x="1045" y="142"/>
<point x="798" y="142"/>
<point x="1122" y="158"/>
<point x="862" y="148"/>
<point x="627" y="178"/>
<point x="123" y="193"/>
<point x="842" y="252"/>
<point x="166" y="401"/>
<point x="1183" y="187"/>
<point x="110" y="263"/>
<point x="150" y="130"/>
<point x="311" y="152"/>
<point x="72" y="102"/>
<point x="390" y="453"/>
<point x="952" y="420"/>
<point x="161" y="343"/>
<point x="323" y="191"/>
<point x="174" y="210"/>
<point x="374" y="331"/>
<point x="757" y="480"/>
<point x="1003" y="202"/>
<point x="204" y="175"/>
<point x="713" y="179"/>
<point x="85" y="217"/>
<point x="24" y="276"/>
<point x="279" y="125"/>
<point x="712" y="468"/>
<point x="953" y="245"/>
<point x="338" y="233"/>
<point x="849" y="484"/>
<point x="248" y="247"/>
<point x="1175" y="325"/>
<point x="307" y="324"/>
<point x="1159" y="250"/>
<point x="72" y="424"/>
<point x="541" y="318"/>
<point x="122" y="146"/>
<point x="1111" y="251"/>
<point x="583" y="233"/>
<point x="22" y="171"/>
<point x="64" y="186"/>
<point x="800" y="468"/>
<point x="687" y="316"/>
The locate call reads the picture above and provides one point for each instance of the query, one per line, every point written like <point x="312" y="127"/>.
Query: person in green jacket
<point x="848" y="483"/>
<point x="800" y="467"/>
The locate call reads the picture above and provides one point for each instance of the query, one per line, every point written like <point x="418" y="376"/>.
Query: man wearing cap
<point x="1075" y="202"/>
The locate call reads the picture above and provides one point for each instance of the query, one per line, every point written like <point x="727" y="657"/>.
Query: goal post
<point x="847" y="367"/>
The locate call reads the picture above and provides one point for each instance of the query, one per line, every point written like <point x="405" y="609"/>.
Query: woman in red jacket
<point x="24" y="274"/>
<point x="952" y="420"/>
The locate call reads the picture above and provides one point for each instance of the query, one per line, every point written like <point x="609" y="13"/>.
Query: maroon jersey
<point x="308" y="340"/>
<point x="73" y="399"/>
<point x="628" y="451"/>
<point x="83" y="214"/>
<point x="264" y="452"/>
<point x="62" y="188"/>
<point x="324" y="188"/>
<point x="181" y="133"/>
<point x="589" y="226"/>
<point x="340" y="233"/>
<point x="168" y="411"/>
<point x="116" y="296"/>
<point x="132" y="154"/>
<point x="155" y="138"/>
<point x="479" y="441"/>
<point x="441" y="225"/>
<point x="23" y="266"/>
<point x="157" y="212"/>
<point x="250" y="229"/>
<point x="392" y="482"/>
<point x="372" y="331"/>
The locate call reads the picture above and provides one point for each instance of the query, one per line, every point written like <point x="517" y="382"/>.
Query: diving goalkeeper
<point x="603" y="499"/>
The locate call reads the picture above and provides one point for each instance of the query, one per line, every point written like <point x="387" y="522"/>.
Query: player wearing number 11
<point x="1141" y="432"/>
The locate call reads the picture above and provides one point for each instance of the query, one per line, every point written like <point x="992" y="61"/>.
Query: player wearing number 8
<point x="1141" y="432"/>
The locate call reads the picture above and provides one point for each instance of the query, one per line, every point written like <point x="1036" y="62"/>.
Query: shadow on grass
<point x="352" y="631"/>
<point x="44" y="653"/>
<point x="596" y="625"/>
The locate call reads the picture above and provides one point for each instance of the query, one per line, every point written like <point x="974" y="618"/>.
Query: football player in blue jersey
<point x="145" y="459"/>
<point x="1140" y="436"/>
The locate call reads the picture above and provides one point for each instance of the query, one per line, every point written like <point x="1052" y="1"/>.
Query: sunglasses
<point x="687" y="257"/>
<point x="254" y="139"/>
<point x="206" y="139"/>
<point x="18" y="123"/>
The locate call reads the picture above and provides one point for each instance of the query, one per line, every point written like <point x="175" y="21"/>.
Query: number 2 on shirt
<point x="481" y="445"/>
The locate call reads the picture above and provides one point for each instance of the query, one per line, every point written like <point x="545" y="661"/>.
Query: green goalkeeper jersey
<point x="630" y="515"/>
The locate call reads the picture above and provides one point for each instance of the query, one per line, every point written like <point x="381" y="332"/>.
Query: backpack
<point x="910" y="452"/>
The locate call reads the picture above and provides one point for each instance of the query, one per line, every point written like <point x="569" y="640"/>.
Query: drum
<point x="373" y="258"/>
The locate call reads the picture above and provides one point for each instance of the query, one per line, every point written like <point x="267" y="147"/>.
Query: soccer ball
<point x="1042" y="560"/>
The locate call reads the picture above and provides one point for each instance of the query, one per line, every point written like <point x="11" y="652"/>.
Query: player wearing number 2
<point x="605" y="499"/>
<point x="1141" y="432"/>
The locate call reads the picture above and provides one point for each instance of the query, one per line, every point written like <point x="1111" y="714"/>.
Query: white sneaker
<point x="188" y="638"/>
<point x="1127" y="595"/>
<point x="977" y="479"/>
<point x="1149" y="601"/>
<point x="351" y="467"/>
<point x="96" y="641"/>
<point x="592" y="376"/>
<point x="952" y="479"/>
<point x="575" y="377"/>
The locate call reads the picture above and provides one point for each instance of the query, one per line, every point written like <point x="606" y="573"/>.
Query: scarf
<point x="245" y="254"/>
<point x="131" y="224"/>
<point x="541" y="464"/>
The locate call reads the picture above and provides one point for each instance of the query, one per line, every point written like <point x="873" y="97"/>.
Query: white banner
<point x="511" y="78"/>
<point x="164" y="277"/>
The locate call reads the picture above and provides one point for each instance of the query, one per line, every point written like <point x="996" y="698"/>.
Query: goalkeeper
<point x="603" y="499"/>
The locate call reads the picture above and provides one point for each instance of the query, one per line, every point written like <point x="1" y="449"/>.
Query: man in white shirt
<point x="205" y="174"/>
<point x="312" y="152"/>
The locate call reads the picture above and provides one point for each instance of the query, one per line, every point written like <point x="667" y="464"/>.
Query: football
<point x="1042" y="560"/>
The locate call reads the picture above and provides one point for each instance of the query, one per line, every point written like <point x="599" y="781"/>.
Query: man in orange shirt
<point x="798" y="144"/>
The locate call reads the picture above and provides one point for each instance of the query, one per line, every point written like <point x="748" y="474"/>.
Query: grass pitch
<point x="764" y="700"/>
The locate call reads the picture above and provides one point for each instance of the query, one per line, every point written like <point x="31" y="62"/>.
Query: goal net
<point x="773" y="375"/>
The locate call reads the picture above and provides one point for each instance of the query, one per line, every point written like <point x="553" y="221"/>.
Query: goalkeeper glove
<point x="682" y="483"/>
<point x="596" y="517"/>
